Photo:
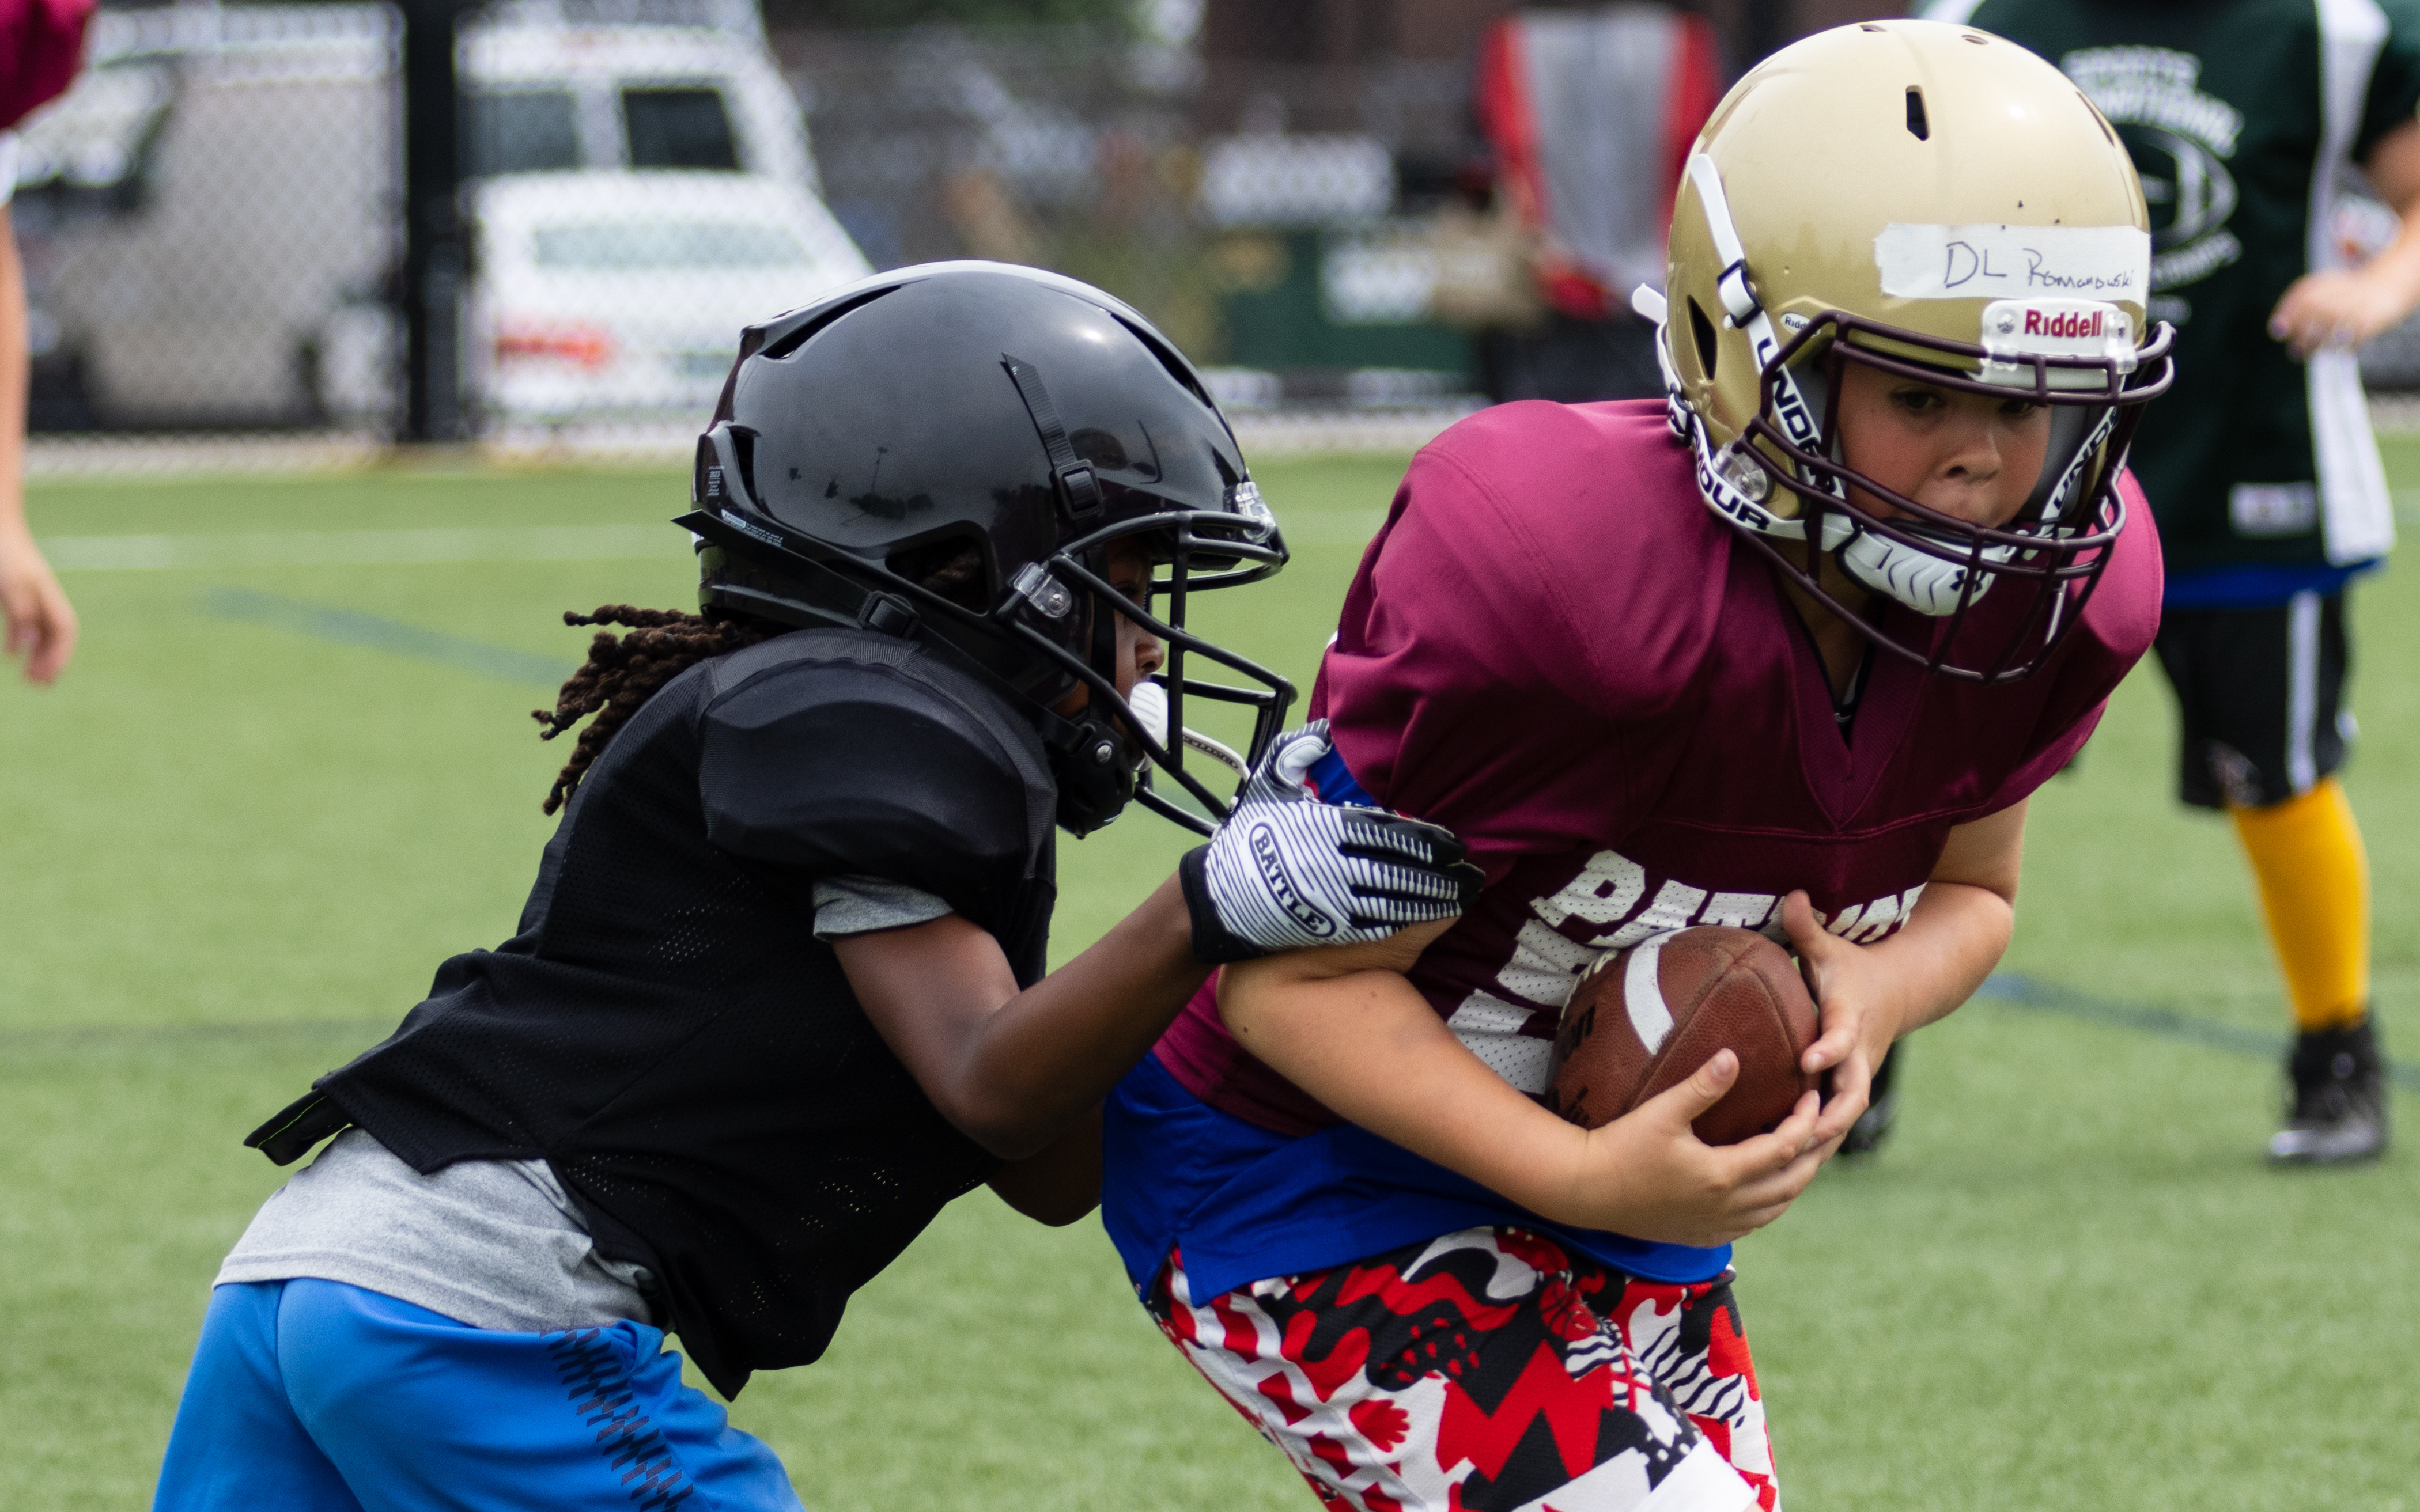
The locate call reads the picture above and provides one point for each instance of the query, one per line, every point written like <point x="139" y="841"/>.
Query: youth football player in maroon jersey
<point x="1798" y="671"/>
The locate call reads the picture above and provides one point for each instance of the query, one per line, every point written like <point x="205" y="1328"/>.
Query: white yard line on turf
<point x="1299" y="431"/>
<point x="346" y="548"/>
<point x="540" y="543"/>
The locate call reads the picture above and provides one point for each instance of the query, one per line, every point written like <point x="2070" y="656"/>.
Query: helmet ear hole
<point x="743" y="447"/>
<point x="1702" y="332"/>
<point x="953" y="567"/>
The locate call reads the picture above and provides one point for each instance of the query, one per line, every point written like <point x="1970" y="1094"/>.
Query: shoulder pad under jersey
<point x="842" y="752"/>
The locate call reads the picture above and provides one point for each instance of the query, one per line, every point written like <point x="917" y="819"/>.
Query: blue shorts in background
<point x="316" y="1396"/>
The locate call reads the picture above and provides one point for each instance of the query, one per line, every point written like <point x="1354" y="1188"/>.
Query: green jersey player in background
<point x="2247" y="121"/>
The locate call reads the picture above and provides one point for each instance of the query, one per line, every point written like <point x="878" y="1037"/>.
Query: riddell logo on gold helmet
<point x="2064" y="323"/>
<point x="2090" y="327"/>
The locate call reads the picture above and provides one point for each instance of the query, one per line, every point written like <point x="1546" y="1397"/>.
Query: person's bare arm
<point x="1061" y="1183"/>
<point x="1870" y="994"/>
<point x="1345" y="1026"/>
<point x="2346" y="307"/>
<point x="42" y="627"/>
<point x="1015" y="1071"/>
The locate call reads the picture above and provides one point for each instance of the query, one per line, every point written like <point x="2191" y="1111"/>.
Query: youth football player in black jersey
<point x="777" y="993"/>
<point x="2247" y="121"/>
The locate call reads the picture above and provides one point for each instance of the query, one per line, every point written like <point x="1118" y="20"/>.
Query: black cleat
<point x="1866" y="1136"/>
<point x="2338" y="1090"/>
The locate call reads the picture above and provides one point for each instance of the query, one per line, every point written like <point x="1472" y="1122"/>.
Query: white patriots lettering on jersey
<point x="1740" y="910"/>
<point x="1517" y="1041"/>
<point x="1544" y="965"/>
<point x="1607" y="889"/>
<point x="1492" y="1029"/>
<point x="1511" y="1025"/>
<point x="1674" y="904"/>
<point x="1864" y="923"/>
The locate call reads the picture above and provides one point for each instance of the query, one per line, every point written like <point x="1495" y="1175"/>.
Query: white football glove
<point x="1287" y="871"/>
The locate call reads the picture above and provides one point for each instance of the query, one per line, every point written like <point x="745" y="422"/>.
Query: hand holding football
<point x="1641" y="1021"/>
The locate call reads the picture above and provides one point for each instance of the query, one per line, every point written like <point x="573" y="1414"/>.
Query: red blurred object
<point x="583" y="346"/>
<point x="1592" y="116"/>
<point x="41" y="50"/>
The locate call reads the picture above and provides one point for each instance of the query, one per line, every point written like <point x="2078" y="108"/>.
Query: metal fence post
<point x="433" y="259"/>
<point x="1765" y="26"/>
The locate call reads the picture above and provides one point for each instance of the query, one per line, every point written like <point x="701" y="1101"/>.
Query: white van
<point x="554" y="99"/>
<point x="610" y="292"/>
<point x="212" y="217"/>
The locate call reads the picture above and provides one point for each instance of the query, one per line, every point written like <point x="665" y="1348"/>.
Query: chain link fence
<point x="1326" y="203"/>
<point x="214" y="219"/>
<point x="209" y="218"/>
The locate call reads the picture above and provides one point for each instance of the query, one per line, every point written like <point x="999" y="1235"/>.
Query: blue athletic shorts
<point x="316" y="1396"/>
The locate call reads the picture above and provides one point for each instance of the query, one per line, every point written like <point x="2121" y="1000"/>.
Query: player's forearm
<point x="1367" y="1046"/>
<point x="1061" y="1183"/>
<point x="1952" y="941"/>
<point x="1015" y="1070"/>
<point x="15" y="380"/>
<point x="2394" y="274"/>
<point x="1961" y="927"/>
<point x="1055" y="1049"/>
<point x="2394" y="169"/>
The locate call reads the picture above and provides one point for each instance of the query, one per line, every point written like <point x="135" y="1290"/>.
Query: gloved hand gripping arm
<point x="1017" y="1070"/>
<point x="1287" y="871"/>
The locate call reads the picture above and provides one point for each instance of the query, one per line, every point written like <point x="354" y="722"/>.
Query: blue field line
<point x="2017" y="990"/>
<point x="351" y="628"/>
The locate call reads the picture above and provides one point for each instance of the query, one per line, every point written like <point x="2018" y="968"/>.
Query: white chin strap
<point x="1937" y="586"/>
<point x="1149" y="702"/>
<point x="1924" y="582"/>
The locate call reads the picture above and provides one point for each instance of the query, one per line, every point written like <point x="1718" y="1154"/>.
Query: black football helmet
<point x="1035" y="420"/>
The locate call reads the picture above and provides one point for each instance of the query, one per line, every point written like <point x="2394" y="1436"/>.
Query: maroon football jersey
<point x="1555" y="649"/>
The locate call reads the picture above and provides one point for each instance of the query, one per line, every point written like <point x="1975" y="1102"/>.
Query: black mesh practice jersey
<point x="666" y="1031"/>
<point x="2243" y="117"/>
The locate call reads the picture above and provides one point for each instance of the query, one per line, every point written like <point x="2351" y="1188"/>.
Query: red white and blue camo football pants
<point x="1488" y="1371"/>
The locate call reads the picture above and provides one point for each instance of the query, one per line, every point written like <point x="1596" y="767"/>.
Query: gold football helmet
<point x="1936" y="203"/>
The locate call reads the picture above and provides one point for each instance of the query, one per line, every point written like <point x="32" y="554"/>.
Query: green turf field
<point x="291" y="770"/>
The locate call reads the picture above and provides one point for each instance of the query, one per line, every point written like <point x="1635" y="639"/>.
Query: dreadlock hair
<point x="622" y="673"/>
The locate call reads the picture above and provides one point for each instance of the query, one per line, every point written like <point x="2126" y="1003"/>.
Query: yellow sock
<point x="2314" y="877"/>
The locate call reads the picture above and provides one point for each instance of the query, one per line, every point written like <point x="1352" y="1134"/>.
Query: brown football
<point x="1642" y="1021"/>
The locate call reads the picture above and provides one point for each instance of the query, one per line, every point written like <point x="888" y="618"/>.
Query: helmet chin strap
<point x="1937" y="586"/>
<point x="1149" y="702"/>
<point x="1734" y="479"/>
<point x="1731" y="479"/>
<point x="1930" y="585"/>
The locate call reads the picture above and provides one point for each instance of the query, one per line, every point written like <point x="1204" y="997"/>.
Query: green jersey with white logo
<point x="2244" y="118"/>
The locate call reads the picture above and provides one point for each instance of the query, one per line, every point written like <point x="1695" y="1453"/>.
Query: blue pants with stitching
<point x="317" y="1397"/>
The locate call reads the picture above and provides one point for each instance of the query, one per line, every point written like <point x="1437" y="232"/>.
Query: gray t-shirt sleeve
<point x="860" y="905"/>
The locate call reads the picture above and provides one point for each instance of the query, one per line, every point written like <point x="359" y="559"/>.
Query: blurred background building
<point x="254" y="216"/>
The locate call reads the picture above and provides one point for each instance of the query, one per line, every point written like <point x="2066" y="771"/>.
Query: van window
<point x="679" y="129"/>
<point x="520" y="131"/>
<point x="641" y="246"/>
